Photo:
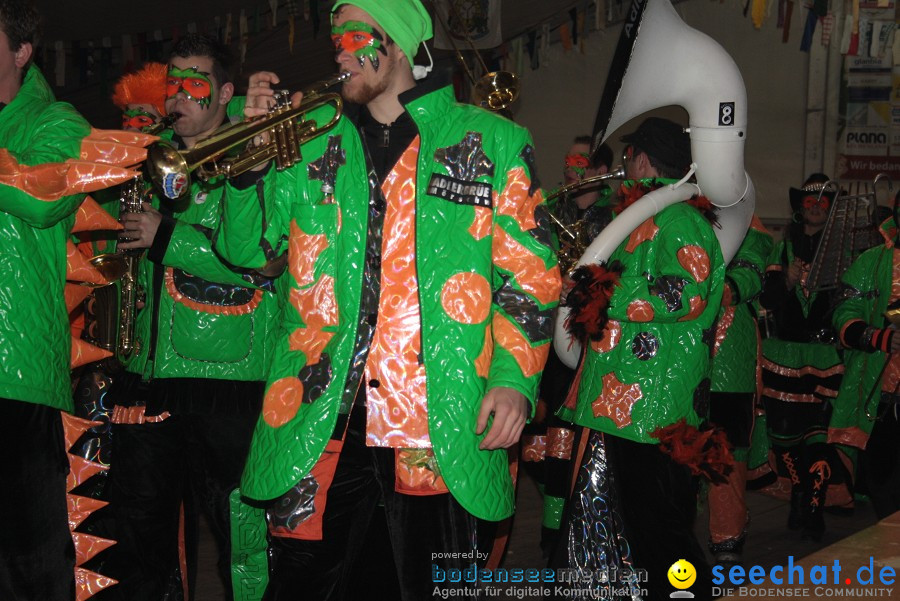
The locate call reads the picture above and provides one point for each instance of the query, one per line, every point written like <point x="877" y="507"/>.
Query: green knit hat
<point x="405" y="21"/>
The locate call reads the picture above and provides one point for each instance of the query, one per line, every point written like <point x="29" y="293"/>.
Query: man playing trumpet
<point x="191" y="394"/>
<point x="417" y="316"/>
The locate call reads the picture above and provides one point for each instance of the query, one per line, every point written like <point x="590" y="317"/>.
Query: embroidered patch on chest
<point x="459" y="191"/>
<point x="326" y="167"/>
<point x="465" y="163"/>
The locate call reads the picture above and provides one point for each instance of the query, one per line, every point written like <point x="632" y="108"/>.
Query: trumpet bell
<point x="227" y="152"/>
<point x="496" y="90"/>
<point x="167" y="168"/>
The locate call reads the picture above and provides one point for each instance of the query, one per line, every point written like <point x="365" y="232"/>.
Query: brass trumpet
<point x="169" y="169"/>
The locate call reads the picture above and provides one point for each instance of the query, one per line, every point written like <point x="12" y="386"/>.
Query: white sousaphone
<point x="660" y="61"/>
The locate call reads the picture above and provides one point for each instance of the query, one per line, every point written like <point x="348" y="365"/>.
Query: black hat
<point x="664" y="141"/>
<point x="813" y="185"/>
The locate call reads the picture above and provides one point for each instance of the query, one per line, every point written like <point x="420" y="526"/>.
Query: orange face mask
<point x="815" y="201"/>
<point x="196" y="85"/>
<point x="136" y="119"/>
<point x="359" y="39"/>
<point x="578" y="162"/>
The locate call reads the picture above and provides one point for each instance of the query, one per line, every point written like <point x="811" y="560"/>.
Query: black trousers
<point x="37" y="556"/>
<point x="192" y="458"/>
<point x="419" y="527"/>
<point x="733" y="412"/>
<point x="881" y="461"/>
<point x="656" y="500"/>
<point x="659" y="506"/>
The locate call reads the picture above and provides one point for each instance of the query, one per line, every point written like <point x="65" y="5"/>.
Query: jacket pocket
<point x="209" y="321"/>
<point x="210" y="337"/>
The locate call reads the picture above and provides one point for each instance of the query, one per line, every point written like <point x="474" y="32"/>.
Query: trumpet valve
<point x="282" y="100"/>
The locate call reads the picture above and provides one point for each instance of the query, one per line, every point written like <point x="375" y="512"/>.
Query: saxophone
<point x="130" y="293"/>
<point x="115" y="316"/>
<point x="112" y="310"/>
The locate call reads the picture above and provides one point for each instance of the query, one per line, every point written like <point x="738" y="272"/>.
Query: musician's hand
<point x="296" y="98"/>
<point x="140" y="228"/>
<point x="260" y="93"/>
<point x="510" y="410"/>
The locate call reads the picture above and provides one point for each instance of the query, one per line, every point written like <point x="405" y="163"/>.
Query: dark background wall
<point x="91" y="69"/>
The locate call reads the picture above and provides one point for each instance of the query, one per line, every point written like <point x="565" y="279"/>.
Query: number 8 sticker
<point x="726" y="113"/>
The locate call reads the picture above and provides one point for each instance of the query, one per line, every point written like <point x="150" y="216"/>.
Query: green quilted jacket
<point x="480" y="221"/>
<point x="651" y="367"/>
<point x="204" y="318"/>
<point x="34" y="323"/>
<point x="737" y="344"/>
<point x="866" y="294"/>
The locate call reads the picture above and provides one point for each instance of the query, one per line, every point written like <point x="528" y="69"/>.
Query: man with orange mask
<point x="869" y="402"/>
<point x="801" y="366"/>
<point x="191" y="392"/>
<point x="417" y="315"/>
<point x="584" y="212"/>
<point x="141" y="96"/>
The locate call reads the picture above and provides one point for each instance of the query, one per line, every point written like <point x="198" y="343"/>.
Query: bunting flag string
<point x="788" y="13"/>
<point x="83" y="62"/>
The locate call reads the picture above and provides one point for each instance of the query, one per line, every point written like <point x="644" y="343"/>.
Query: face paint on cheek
<point x="195" y="85"/>
<point x="578" y="163"/>
<point x="137" y="119"/>
<point x="813" y="201"/>
<point x="359" y="39"/>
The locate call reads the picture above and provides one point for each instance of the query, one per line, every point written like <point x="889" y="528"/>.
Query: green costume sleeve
<point x="190" y="249"/>
<point x="678" y="287"/>
<point x="862" y="327"/>
<point x="252" y="230"/>
<point x="526" y="281"/>
<point x="234" y="110"/>
<point x="780" y="253"/>
<point x="861" y="305"/>
<point x="54" y="138"/>
<point x="745" y="273"/>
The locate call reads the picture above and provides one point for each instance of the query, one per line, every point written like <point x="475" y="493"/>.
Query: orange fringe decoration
<point x="593" y="286"/>
<point x="705" y="451"/>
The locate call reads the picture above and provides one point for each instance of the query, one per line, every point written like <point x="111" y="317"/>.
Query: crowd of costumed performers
<point x="337" y="358"/>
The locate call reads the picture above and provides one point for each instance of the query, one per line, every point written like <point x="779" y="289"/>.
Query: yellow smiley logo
<point x="682" y="574"/>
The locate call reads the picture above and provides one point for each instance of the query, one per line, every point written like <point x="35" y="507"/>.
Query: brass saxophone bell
<point x="495" y="90"/>
<point x="111" y="266"/>
<point x="617" y="173"/>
